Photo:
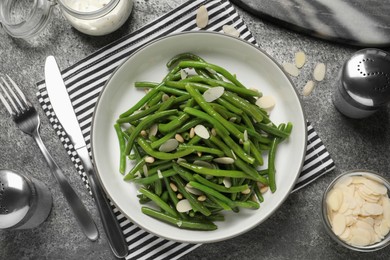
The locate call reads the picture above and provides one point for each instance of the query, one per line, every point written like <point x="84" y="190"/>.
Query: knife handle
<point x="81" y="214"/>
<point x="110" y="223"/>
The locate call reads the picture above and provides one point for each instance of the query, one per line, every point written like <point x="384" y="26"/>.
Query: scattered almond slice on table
<point x="230" y="30"/>
<point x="359" y="210"/>
<point x="308" y="88"/>
<point x="291" y="69"/>
<point x="319" y="72"/>
<point x="300" y="59"/>
<point x="202" y="17"/>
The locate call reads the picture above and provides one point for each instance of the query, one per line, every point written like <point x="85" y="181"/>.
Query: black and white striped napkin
<point x="85" y="79"/>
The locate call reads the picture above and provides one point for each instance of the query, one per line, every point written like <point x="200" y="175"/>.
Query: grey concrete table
<point x="294" y="232"/>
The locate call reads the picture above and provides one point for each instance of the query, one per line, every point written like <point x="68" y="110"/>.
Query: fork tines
<point x="17" y="101"/>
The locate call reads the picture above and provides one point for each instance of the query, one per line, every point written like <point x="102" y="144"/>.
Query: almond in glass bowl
<point x="356" y="210"/>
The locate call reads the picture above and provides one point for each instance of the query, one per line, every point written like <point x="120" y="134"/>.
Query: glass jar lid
<point x="25" y="18"/>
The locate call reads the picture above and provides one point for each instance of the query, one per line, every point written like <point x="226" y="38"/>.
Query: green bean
<point x="206" y="107"/>
<point x="212" y="192"/>
<point x="229" y="86"/>
<point x="159" y="142"/>
<point x="137" y="167"/>
<point x="247" y="204"/>
<point x="156" y="199"/>
<point x="203" y="149"/>
<point x="162" y="155"/>
<point x="250" y="171"/>
<point x="182" y="56"/>
<point x="155" y="177"/>
<point x="272" y="130"/>
<point x="145" y="84"/>
<point x="167" y="104"/>
<point x="155" y="100"/>
<point x="204" y="65"/>
<point x="237" y="149"/>
<point x="181" y="223"/>
<point x="142" y="101"/>
<point x="136" y="116"/>
<point x="232" y="108"/>
<point x="194" y="140"/>
<point x="214" y="172"/>
<point x="186" y="175"/>
<point x="147" y="121"/>
<point x="175" y="123"/>
<point x="271" y="161"/>
<point x="196" y="205"/>
<point x="220" y="188"/>
<point x="190" y="124"/>
<point x="221" y="130"/>
<point x="122" y="147"/>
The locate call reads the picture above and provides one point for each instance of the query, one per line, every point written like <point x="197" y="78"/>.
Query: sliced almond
<point x="183" y="74"/>
<point x="149" y="159"/>
<point x="266" y="102"/>
<point x="202" y="17"/>
<point x="308" y="88"/>
<point x="319" y="72"/>
<point x="227" y="182"/>
<point x="230" y="30"/>
<point x="335" y="199"/>
<point x="153" y="130"/>
<point x="300" y="59"/>
<point x="183" y="206"/>
<point x="224" y="160"/>
<point x="338" y="224"/>
<point x="179" y="138"/>
<point x="290" y="69"/>
<point x="173" y="186"/>
<point x="213" y="93"/>
<point x="169" y="146"/>
<point x="201" y="131"/>
<point x="192" y="190"/>
<point x="203" y="164"/>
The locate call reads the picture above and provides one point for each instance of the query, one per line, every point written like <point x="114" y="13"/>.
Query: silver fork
<point x="27" y="119"/>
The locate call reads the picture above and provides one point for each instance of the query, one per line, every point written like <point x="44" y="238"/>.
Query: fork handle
<point x="83" y="217"/>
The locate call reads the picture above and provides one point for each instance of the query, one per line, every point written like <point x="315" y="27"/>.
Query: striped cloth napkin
<point x="86" y="78"/>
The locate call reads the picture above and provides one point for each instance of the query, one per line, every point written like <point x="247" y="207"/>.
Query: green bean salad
<point x="197" y="142"/>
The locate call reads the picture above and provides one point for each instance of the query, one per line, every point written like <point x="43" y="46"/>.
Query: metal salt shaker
<point x="25" y="202"/>
<point x="364" y="85"/>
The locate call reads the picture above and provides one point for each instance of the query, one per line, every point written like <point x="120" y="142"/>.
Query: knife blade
<point x="63" y="109"/>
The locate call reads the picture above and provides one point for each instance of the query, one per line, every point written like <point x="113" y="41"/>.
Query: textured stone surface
<point x="295" y="231"/>
<point x="361" y="23"/>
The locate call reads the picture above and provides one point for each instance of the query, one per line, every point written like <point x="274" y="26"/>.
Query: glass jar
<point x="27" y="18"/>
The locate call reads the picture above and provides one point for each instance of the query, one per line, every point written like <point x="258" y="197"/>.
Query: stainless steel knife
<point x="63" y="109"/>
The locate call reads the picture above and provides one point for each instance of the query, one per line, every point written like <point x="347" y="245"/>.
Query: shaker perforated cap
<point x="365" y="79"/>
<point x="15" y="199"/>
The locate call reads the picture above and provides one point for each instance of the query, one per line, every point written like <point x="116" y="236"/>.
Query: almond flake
<point x="227" y="182"/>
<point x="213" y="93"/>
<point x="224" y="160"/>
<point x="308" y="88"/>
<point x="169" y="146"/>
<point x="183" y="206"/>
<point x="201" y="131"/>
<point x="300" y="59"/>
<point x="319" y="72"/>
<point x="266" y="102"/>
<point x="202" y="17"/>
<point x="230" y="30"/>
<point x="290" y="69"/>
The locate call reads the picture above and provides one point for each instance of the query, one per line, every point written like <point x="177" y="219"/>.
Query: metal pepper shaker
<point x="25" y="202"/>
<point x="364" y="83"/>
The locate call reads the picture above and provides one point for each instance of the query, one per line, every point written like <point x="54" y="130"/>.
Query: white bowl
<point x="254" y="68"/>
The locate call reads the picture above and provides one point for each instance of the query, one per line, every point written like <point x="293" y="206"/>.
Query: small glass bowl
<point x="365" y="173"/>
